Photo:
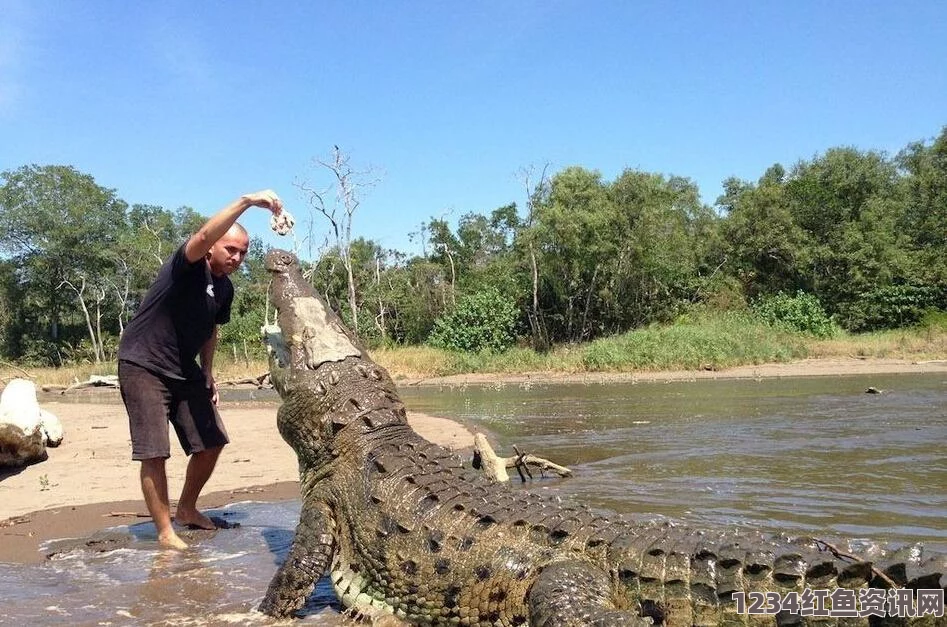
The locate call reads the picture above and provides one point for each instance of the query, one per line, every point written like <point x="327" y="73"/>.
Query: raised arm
<point x="212" y="230"/>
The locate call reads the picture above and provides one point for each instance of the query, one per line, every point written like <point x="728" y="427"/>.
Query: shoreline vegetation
<point x="706" y="344"/>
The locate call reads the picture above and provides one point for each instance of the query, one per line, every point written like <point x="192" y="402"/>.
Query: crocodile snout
<point x="279" y="260"/>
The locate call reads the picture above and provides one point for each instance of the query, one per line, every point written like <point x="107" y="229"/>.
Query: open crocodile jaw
<point x="308" y="333"/>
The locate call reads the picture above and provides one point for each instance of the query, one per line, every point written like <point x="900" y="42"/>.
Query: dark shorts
<point x="153" y="400"/>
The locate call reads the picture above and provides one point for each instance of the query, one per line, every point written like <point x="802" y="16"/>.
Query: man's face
<point x="227" y="254"/>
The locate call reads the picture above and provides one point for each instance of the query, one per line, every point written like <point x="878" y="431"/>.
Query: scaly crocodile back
<point x="407" y="528"/>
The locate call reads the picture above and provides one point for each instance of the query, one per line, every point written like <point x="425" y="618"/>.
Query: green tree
<point x="418" y="293"/>
<point x="613" y="256"/>
<point x="445" y="251"/>
<point x="480" y="255"/>
<point x="60" y="229"/>
<point x="801" y="312"/>
<point x="376" y="285"/>
<point x="924" y="221"/>
<point x="848" y="202"/>
<point x="767" y="251"/>
<point x="573" y="239"/>
<point x="662" y="235"/>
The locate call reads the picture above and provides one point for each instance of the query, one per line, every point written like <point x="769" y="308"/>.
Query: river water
<point x="816" y="456"/>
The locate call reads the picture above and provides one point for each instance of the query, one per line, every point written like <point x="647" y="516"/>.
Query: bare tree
<point x="339" y="210"/>
<point x="453" y="275"/>
<point x="157" y="253"/>
<point x="534" y="191"/>
<point x="99" y="292"/>
<point x="122" y="292"/>
<point x="382" y="310"/>
<point x="99" y="295"/>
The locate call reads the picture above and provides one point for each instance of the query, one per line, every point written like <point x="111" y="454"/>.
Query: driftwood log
<point x="111" y="380"/>
<point x="26" y="430"/>
<point x="95" y="380"/>
<point x="495" y="467"/>
<point x="261" y="381"/>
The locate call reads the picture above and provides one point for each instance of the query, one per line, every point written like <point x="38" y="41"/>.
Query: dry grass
<point x="226" y="369"/>
<point x="413" y="362"/>
<point x="229" y="370"/>
<point x="909" y="344"/>
<point x="65" y="375"/>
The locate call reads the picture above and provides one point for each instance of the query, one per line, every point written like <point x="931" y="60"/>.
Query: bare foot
<point x="171" y="540"/>
<point x="193" y="519"/>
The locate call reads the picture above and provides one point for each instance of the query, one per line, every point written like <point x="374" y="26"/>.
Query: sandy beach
<point x="90" y="482"/>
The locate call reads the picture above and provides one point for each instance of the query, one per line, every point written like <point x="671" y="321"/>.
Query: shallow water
<point x="813" y="455"/>
<point x="219" y="581"/>
<point x="808" y="455"/>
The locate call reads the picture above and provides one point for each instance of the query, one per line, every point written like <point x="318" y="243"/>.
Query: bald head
<point x="238" y="229"/>
<point x="227" y="253"/>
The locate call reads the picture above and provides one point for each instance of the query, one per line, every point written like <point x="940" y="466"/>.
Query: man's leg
<point x="147" y="401"/>
<point x="199" y="469"/>
<point x="154" y="487"/>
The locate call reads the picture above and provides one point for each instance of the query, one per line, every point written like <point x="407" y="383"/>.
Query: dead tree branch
<point x="495" y="467"/>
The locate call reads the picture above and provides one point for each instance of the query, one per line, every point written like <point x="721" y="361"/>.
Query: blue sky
<point x="193" y="103"/>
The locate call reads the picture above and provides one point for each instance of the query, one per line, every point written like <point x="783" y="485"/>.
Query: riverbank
<point x="89" y="483"/>
<point x="824" y="367"/>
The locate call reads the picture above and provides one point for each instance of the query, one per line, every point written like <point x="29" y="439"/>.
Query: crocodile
<point x="408" y="529"/>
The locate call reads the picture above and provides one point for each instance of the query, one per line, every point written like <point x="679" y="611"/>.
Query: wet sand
<point x="90" y="483"/>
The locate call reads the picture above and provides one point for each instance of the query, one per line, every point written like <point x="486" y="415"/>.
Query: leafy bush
<point x="889" y="307"/>
<point x="40" y="352"/>
<point x="485" y="320"/>
<point x="802" y="312"/>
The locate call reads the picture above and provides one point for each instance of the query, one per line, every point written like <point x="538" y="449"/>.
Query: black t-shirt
<point x="177" y="317"/>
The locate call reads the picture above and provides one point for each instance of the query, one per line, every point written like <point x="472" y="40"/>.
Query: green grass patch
<point x="708" y="343"/>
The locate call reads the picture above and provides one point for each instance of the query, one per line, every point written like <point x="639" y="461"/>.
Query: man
<point x="158" y="373"/>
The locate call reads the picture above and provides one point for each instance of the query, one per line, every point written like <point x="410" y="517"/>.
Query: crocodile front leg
<point x="308" y="558"/>
<point x="575" y="594"/>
